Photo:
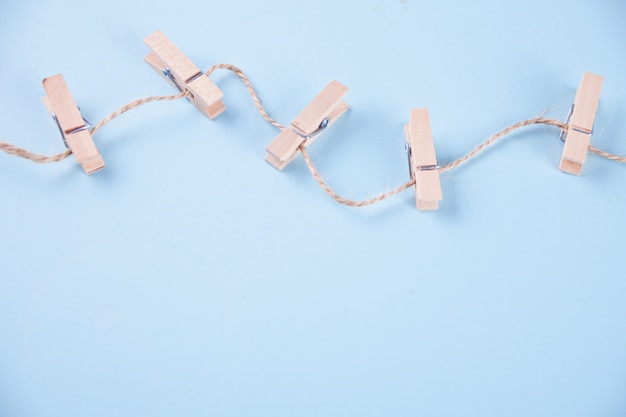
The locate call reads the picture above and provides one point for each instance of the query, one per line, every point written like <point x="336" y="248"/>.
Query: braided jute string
<point x="23" y="153"/>
<point x="450" y="166"/>
<point x="133" y="105"/>
<point x="44" y="159"/>
<point x="255" y="98"/>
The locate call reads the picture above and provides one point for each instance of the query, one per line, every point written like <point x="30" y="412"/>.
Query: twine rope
<point x="493" y="139"/>
<point x="38" y="158"/>
<point x="32" y="156"/>
<point x="341" y="200"/>
<point x="45" y="159"/>
<point x="255" y="97"/>
<point x="133" y="105"/>
<point x="450" y="166"/>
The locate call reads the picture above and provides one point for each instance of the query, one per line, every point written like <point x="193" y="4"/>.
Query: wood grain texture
<point x="327" y="104"/>
<point x="59" y="101"/>
<point x="580" y="124"/>
<point x="420" y="138"/>
<point x="320" y="107"/>
<point x="85" y="151"/>
<point x="205" y="95"/>
<point x="283" y="149"/>
<point x="586" y="102"/>
<point x="180" y="65"/>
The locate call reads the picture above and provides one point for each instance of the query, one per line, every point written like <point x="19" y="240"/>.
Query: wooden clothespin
<point x="322" y="112"/>
<point x="73" y="127"/>
<point x="184" y="75"/>
<point x="580" y="123"/>
<point x="423" y="163"/>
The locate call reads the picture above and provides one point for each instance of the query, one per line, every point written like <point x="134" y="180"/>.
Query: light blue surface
<point x="192" y="279"/>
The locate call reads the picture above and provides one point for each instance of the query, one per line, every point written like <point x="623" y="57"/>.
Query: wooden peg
<point x="184" y="75"/>
<point x="74" y="130"/>
<point x="423" y="160"/>
<point x="580" y="123"/>
<point x="323" y="111"/>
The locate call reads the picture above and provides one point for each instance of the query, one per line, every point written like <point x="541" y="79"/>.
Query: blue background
<point x="192" y="279"/>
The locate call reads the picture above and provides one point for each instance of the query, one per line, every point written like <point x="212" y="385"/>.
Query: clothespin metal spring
<point x="64" y="135"/>
<point x="409" y="153"/>
<point x="569" y="116"/>
<point x="168" y="73"/>
<point x="319" y="130"/>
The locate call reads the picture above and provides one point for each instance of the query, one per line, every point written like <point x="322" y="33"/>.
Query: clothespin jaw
<point x="580" y="123"/>
<point x="73" y="127"/>
<point x="323" y="111"/>
<point x="423" y="160"/>
<point x="178" y="70"/>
